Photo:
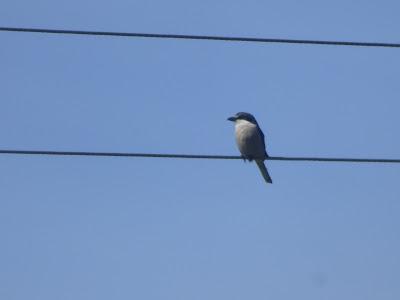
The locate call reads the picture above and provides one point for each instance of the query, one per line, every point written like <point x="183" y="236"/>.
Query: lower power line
<point x="195" y="156"/>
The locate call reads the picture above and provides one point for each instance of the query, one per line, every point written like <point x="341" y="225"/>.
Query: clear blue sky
<point x="114" y="228"/>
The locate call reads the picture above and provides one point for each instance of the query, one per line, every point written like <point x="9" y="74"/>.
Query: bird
<point x="250" y="141"/>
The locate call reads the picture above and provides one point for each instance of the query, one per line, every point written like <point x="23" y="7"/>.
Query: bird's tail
<point x="264" y="171"/>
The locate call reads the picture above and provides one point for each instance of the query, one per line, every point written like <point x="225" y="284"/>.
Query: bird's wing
<point x="262" y="139"/>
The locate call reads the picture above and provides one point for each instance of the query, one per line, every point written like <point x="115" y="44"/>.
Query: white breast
<point x="248" y="139"/>
<point x="244" y="128"/>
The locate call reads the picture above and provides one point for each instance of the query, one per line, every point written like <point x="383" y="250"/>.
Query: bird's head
<point x="243" y="116"/>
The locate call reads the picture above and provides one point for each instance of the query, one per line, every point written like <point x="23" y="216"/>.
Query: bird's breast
<point x="249" y="140"/>
<point x="245" y="131"/>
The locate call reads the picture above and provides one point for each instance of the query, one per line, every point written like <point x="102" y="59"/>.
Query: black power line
<point x="195" y="156"/>
<point x="201" y="37"/>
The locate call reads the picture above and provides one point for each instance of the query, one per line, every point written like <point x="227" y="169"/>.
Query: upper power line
<point x="201" y="37"/>
<point x="195" y="156"/>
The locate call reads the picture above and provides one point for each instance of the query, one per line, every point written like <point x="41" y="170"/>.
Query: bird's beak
<point x="233" y="119"/>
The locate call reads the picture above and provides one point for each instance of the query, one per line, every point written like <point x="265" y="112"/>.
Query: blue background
<point x="120" y="228"/>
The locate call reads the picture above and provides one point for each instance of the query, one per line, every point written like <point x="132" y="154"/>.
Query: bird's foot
<point x="249" y="158"/>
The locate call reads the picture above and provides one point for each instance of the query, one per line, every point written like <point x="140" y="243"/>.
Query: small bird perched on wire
<point x="250" y="141"/>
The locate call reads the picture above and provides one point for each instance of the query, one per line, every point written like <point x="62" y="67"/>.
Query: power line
<point x="195" y="156"/>
<point x="201" y="37"/>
